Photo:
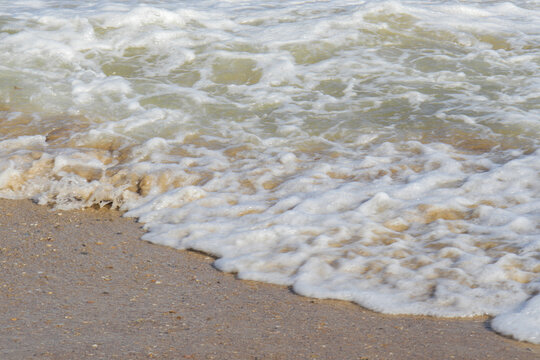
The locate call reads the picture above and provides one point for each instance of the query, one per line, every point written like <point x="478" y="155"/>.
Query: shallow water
<point x="384" y="153"/>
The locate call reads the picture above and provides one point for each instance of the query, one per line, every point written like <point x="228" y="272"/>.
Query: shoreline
<point x="81" y="284"/>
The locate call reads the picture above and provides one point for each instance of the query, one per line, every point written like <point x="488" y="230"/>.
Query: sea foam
<point x="383" y="152"/>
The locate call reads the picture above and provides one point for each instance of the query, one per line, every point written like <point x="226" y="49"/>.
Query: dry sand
<point x="80" y="284"/>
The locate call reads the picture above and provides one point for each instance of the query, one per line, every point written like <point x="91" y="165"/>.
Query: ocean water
<point x="381" y="152"/>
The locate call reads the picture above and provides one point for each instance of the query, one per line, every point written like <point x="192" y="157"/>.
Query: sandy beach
<point x="81" y="284"/>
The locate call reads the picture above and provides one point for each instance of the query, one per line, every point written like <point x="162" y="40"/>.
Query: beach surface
<point x="81" y="284"/>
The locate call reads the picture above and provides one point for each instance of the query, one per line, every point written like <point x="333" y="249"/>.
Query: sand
<point x="82" y="285"/>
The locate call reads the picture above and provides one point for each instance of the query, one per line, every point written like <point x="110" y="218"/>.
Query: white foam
<point x="523" y="323"/>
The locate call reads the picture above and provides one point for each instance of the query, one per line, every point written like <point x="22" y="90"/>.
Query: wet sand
<point x="80" y="284"/>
